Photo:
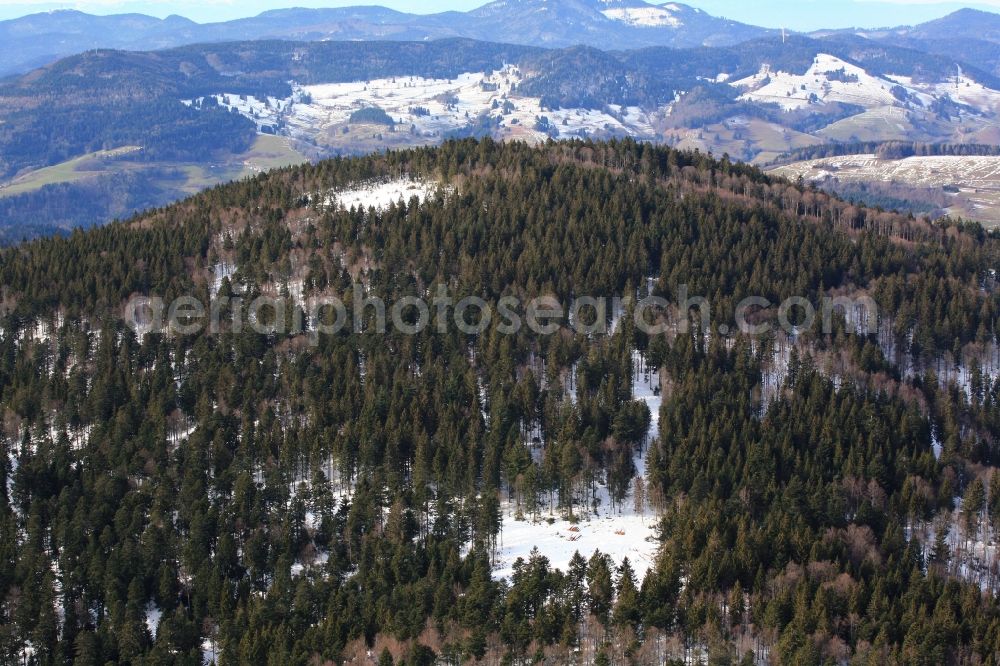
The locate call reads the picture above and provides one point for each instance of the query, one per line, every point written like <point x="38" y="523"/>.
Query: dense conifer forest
<point x="822" y="497"/>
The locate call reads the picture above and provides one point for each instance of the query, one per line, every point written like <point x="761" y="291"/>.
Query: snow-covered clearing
<point x="619" y="532"/>
<point x="618" y="536"/>
<point x="220" y="272"/>
<point x="380" y="195"/>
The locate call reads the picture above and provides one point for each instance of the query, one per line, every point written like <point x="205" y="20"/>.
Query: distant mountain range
<point x="969" y="35"/>
<point x="38" y="39"/>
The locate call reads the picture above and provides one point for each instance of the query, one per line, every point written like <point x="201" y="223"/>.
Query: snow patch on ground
<point x="12" y="466"/>
<point x="210" y="652"/>
<point x="78" y="437"/>
<point x="774" y="373"/>
<point x="179" y="435"/>
<point x="318" y="562"/>
<point x="153" y="615"/>
<point x="220" y="272"/>
<point x="40" y="331"/>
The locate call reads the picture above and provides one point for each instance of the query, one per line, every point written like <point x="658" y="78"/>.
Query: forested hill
<point x="291" y="498"/>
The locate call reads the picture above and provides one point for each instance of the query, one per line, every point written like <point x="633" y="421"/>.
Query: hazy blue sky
<point x="793" y="14"/>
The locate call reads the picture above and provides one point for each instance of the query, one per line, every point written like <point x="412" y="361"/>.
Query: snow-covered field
<point x="976" y="180"/>
<point x="972" y="172"/>
<point x="618" y="536"/>
<point x="883" y="123"/>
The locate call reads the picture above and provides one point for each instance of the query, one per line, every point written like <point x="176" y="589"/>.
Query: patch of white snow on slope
<point x="210" y="652"/>
<point x="645" y="17"/>
<point x="153" y="615"/>
<point x="220" y="272"/>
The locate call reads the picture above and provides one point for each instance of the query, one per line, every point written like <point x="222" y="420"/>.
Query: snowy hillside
<point x="831" y="79"/>
<point x="266" y="113"/>
<point x="960" y="89"/>
<point x="425" y="110"/>
<point x="652" y="17"/>
<point x="808" y="100"/>
<point x="828" y="79"/>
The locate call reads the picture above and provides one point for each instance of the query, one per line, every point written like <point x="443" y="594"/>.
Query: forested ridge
<point x="889" y="150"/>
<point x="822" y="498"/>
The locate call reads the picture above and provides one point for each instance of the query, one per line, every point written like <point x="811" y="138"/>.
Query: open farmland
<point x="267" y="152"/>
<point x="78" y="168"/>
<point x="970" y="185"/>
